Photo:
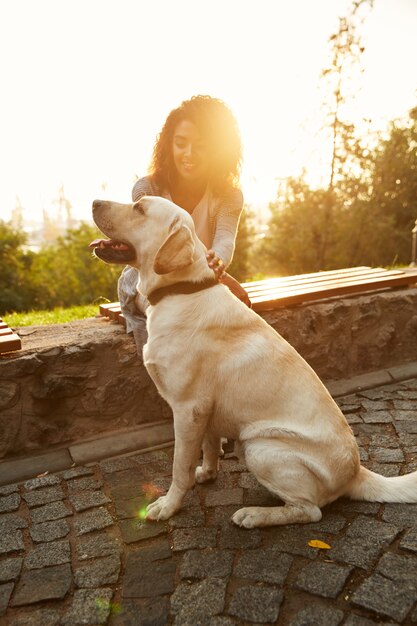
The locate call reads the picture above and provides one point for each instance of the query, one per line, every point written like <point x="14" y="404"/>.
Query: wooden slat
<point x="8" y="343"/>
<point x="311" y="276"/>
<point x="3" y="325"/>
<point x="103" y="308"/>
<point x="325" y="282"/>
<point x="319" y="278"/>
<point x="5" y="331"/>
<point x="263" y="303"/>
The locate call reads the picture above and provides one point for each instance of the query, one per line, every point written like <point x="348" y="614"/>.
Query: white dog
<point x="226" y="373"/>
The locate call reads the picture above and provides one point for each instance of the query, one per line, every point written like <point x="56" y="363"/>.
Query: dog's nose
<point x="98" y="204"/>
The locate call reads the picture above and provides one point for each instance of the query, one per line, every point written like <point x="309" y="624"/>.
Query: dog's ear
<point x="176" y="252"/>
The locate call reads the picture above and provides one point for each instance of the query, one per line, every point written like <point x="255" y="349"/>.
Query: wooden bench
<point x="9" y="341"/>
<point x="289" y="290"/>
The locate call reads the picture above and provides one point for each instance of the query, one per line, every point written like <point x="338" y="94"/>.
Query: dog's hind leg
<point x="212" y="450"/>
<point x="284" y="474"/>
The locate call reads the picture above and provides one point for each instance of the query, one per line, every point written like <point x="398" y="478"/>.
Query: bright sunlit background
<point x="86" y="85"/>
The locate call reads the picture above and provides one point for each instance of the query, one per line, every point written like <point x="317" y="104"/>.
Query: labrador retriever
<point x="226" y="373"/>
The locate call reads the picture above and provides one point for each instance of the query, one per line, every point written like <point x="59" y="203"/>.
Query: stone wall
<point x="74" y="381"/>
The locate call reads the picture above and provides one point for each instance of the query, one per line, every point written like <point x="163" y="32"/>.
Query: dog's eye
<point x="139" y="208"/>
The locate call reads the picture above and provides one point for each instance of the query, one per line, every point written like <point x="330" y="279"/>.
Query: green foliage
<point x="58" y="315"/>
<point x="366" y="220"/>
<point x="61" y="274"/>
<point x="242" y="264"/>
<point x="15" y="290"/>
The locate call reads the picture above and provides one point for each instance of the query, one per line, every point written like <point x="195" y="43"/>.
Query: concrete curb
<point x="161" y="434"/>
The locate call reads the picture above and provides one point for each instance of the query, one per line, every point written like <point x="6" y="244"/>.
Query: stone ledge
<point x="73" y="381"/>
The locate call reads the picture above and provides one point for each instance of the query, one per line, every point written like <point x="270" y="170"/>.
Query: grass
<point x="59" y="315"/>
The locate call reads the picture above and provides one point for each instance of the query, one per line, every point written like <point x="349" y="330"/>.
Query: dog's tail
<point x="376" y="488"/>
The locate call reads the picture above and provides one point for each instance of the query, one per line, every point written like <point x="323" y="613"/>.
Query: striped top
<point x="216" y="219"/>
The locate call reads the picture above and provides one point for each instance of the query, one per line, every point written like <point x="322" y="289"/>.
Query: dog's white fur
<point x="226" y="373"/>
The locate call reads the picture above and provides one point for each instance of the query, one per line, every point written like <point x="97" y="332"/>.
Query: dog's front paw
<point x="204" y="476"/>
<point x="161" y="509"/>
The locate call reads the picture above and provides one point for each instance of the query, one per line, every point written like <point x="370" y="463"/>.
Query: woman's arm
<point x="227" y="223"/>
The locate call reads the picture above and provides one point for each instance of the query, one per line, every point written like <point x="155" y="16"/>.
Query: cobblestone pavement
<point x="74" y="548"/>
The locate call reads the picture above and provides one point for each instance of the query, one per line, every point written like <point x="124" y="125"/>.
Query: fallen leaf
<point x="316" y="543"/>
<point x="42" y="475"/>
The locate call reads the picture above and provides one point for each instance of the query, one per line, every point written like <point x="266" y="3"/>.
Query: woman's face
<point x="190" y="153"/>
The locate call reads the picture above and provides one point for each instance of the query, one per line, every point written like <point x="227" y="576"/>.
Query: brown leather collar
<point x="180" y="288"/>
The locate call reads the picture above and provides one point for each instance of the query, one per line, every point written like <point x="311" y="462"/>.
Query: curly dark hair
<point x="218" y="128"/>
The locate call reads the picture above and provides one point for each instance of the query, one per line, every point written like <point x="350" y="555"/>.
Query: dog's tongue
<point x="108" y="243"/>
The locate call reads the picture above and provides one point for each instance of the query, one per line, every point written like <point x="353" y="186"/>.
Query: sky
<point x="86" y="86"/>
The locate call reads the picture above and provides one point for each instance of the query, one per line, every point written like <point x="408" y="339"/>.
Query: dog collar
<point x="180" y="288"/>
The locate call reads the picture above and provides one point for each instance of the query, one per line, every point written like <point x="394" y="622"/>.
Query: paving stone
<point x="8" y="489"/>
<point x="190" y="517"/>
<point x="315" y="615"/>
<point x="77" y="471"/>
<point x="407" y="395"/>
<point x="198" y="600"/>
<point x="259" y="497"/>
<point x="88" y="500"/>
<point x="248" y="481"/>
<point x="10" y="568"/>
<point x="232" y="537"/>
<point x="81" y="484"/>
<point x="375" y="405"/>
<point x="256" y="604"/>
<point x="266" y="565"/>
<point x="386" y="597"/>
<point x="41" y="481"/>
<point x="386" y="455"/>
<point x="5" y="593"/>
<point x="116" y="465"/>
<point x="409" y="541"/>
<point x="225" y="497"/>
<point x="9" y="503"/>
<point x="209" y="564"/>
<point x="45" y="554"/>
<point x="330" y="523"/>
<point x="11" y="541"/>
<point x="35" y="617"/>
<point x="232" y="465"/>
<point x="323" y="579"/>
<point x="133" y="508"/>
<point x="89" y="606"/>
<point x="49" y="583"/>
<point x="406" y="427"/>
<point x="398" y="567"/>
<point x="164" y="456"/>
<point x="352" y="418"/>
<point x="403" y="412"/>
<point x="97" y="573"/>
<point x="388" y="470"/>
<point x="97" y="546"/>
<point x="358" y="620"/>
<point x="376" y="417"/>
<point x="92" y="520"/>
<point x="49" y="531"/>
<point x="154" y="612"/>
<point x="46" y="495"/>
<point x="149" y="572"/>
<point x="384" y="441"/>
<point x="137" y="529"/>
<point x="402" y="515"/>
<point x="11" y="521"/>
<point x="49" y="512"/>
<point x="293" y="540"/>
<point x="354" y="506"/>
<point x="363" y="541"/>
<point x="194" y="538"/>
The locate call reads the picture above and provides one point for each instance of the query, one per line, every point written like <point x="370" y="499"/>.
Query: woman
<point x="196" y="162"/>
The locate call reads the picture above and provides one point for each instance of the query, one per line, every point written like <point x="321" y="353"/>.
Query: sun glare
<point x="84" y="104"/>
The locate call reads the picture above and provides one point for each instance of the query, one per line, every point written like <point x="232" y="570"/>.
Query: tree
<point x="66" y="273"/>
<point x="15" y="288"/>
<point x="241" y="266"/>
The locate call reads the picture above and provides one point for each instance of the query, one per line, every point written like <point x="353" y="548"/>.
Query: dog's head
<point x="154" y="235"/>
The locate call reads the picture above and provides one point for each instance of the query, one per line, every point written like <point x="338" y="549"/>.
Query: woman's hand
<point x="236" y="288"/>
<point x="216" y="264"/>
